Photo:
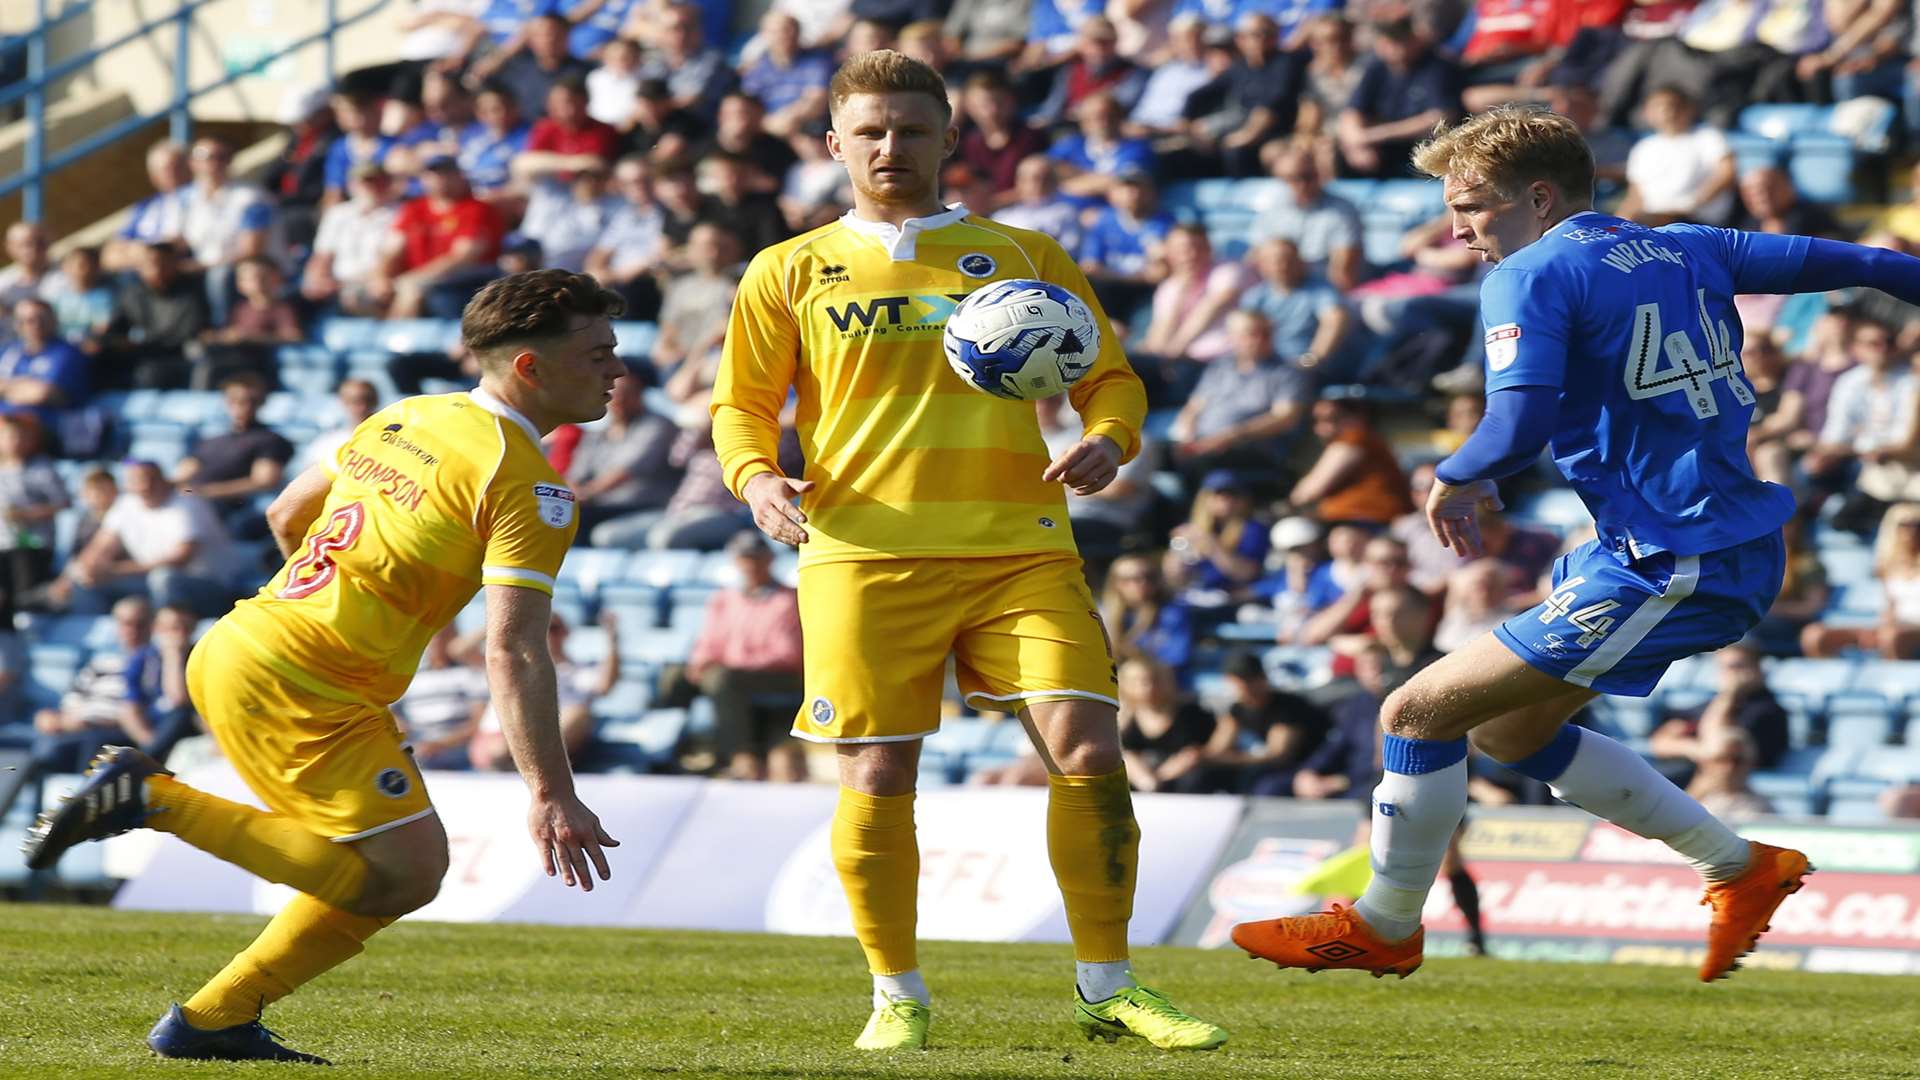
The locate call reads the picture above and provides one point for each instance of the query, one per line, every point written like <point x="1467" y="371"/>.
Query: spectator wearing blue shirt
<point x="1052" y="30"/>
<point x="1038" y="205"/>
<point x="1120" y="248"/>
<point x="1406" y="90"/>
<point x="1221" y="549"/>
<point x="40" y="373"/>
<point x="1092" y="158"/>
<point x="489" y="145"/>
<point x="1143" y="618"/>
<point x="81" y="296"/>
<point x="1173" y="82"/>
<point x="696" y="75"/>
<point x="1310" y="322"/>
<point x="569" y="220"/>
<point x="596" y="23"/>
<point x="360" y="141"/>
<point x="158" y="217"/>
<point x="790" y="82"/>
<point x="158" y="713"/>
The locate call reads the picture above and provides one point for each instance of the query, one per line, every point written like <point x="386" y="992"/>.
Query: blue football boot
<point x="112" y="801"/>
<point x="173" y="1037"/>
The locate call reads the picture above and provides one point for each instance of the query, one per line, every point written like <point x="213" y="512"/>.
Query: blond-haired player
<point x="932" y="523"/>
<point x="429" y="500"/>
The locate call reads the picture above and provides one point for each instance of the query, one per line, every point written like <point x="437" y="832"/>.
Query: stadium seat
<point x="1752" y="151"/>
<point x="1358" y="192"/>
<point x="1179" y="200"/>
<point x="1247" y="631"/>
<point x="1559" y="509"/>
<point x="1846" y="566"/>
<point x="1859" y="719"/>
<point x="588" y="568"/>
<point x="191" y="408"/>
<point x="662" y="568"/>
<point x="634" y="340"/>
<point x="651" y="644"/>
<point x="1214" y="194"/>
<point x="1821" y="166"/>
<point x="687" y="616"/>
<point x="656" y="731"/>
<point x="1414" y="200"/>
<point x="1855" y="812"/>
<point x="1913" y="730"/>
<point x="1788" y="792"/>
<point x="1858" y="604"/>
<point x="1380" y="236"/>
<point x="1895" y="765"/>
<point x="419" y="335"/>
<point x="1896" y="680"/>
<point x="341" y="335"/>
<point x="1783" y="122"/>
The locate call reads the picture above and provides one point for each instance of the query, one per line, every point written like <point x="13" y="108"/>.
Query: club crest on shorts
<point x="821" y="711"/>
<point x="556" y="504"/>
<point x="1503" y="346"/>
<point x="977" y="264"/>
<point x="393" y="783"/>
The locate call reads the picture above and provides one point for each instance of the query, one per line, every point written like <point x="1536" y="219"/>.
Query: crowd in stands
<point x="1303" y="376"/>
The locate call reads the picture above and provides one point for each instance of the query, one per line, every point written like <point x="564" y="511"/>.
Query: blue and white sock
<point x="1611" y="781"/>
<point x="1416" y="808"/>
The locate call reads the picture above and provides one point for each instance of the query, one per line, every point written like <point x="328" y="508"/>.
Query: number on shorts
<point x="312" y="571"/>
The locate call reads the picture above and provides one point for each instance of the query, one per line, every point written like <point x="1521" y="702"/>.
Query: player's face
<point x="892" y="146"/>
<point x="577" y="373"/>
<point x="1491" y="223"/>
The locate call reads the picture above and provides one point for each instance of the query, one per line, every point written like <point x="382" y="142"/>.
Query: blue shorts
<point x="1616" y="628"/>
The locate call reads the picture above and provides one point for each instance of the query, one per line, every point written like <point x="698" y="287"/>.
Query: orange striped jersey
<point x="432" y="498"/>
<point x="907" y="460"/>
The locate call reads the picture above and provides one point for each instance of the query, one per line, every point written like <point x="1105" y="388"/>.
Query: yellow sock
<point x="878" y="858"/>
<point x="307" y="938"/>
<point x="266" y="845"/>
<point x="1094" y="846"/>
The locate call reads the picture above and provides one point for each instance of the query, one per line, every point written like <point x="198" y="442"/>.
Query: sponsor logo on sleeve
<point x="1503" y="346"/>
<point x="556" y="504"/>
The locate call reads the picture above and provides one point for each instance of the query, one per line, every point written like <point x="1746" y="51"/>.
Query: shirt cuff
<point x="1122" y="436"/>
<point x="516" y="576"/>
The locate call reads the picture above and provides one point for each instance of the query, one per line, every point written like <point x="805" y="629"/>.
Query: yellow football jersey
<point x="432" y="497"/>
<point x="907" y="460"/>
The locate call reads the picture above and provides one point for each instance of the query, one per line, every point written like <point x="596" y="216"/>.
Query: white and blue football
<point x="1022" y="339"/>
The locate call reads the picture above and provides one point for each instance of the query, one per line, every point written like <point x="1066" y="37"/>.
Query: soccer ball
<point x="1022" y="339"/>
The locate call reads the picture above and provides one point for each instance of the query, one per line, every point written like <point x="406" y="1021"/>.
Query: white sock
<point x="1416" y="809"/>
<point x="1102" y="979"/>
<point x="1609" y="780"/>
<point x="907" y="984"/>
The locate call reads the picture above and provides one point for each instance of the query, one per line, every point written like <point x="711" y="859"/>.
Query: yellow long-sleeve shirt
<point x="907" y="460"/>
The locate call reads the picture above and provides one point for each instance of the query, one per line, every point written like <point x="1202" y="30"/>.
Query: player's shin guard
<point x="1094" y="845"/>
<point x="878" y="859"/>
<point x="1611" y="781"/>
<point x="1416" y="808"/>
<point x="306" y="939"/>
<point x="266" y="845"/>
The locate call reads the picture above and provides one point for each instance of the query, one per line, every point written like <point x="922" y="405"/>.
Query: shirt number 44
<point x="1669" y="364"/>
<point x="1593" y="621"/>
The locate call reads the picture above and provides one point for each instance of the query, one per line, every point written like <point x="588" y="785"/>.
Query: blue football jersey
<point x="1636" y="328"/>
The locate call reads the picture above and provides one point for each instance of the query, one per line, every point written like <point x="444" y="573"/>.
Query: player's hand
<point x="770" y="497"/>
<point x="1452" y="514"/>
<point x="1087" y="466"/>
<point x="568" y="836"/>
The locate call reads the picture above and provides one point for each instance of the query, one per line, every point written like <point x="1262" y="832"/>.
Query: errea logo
<point x="834" y="273"/>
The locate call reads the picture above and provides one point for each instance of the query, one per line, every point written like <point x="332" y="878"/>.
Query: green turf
<point x="79" y="988"/>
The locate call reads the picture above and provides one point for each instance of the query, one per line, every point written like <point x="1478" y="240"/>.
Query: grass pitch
<point x="80" y="987"/>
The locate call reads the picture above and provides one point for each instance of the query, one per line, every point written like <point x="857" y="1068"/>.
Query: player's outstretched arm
<point x="1770" y="263"/>
<point x="520" y="674"/>
<point x="293" y="511"/>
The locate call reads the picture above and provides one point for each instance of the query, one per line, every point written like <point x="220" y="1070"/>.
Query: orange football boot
<point x="1741" y="907"/>
<point x="1336" y="938"/>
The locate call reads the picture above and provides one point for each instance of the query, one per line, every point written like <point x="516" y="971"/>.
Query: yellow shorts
<point x="1020" y="628"/>
<point x="337" y="767"/>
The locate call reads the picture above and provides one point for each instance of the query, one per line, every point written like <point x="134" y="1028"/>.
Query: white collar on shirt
<point x="501" y="409"/>
<point x="900" y="240"/>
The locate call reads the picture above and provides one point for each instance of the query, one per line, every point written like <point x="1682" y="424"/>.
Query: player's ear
<point x="525" y="364"/>
<point x="833" y="145"/>
<point x="1541" y="194"/>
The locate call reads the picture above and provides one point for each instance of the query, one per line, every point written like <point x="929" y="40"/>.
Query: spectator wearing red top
<point x="567" y="139"/>
<point x="993" y="139"/>
<point x="749" y="646"/>
<point x="443" y="247"/>
<point x="1357" y="478"/>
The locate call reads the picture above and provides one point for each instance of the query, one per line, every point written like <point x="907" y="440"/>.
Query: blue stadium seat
<point x="1380" y="236"/>
<point x="588" y="568"/>
<point x="1858" y="604"/>
<point x="1913" y="730"/>
<point x="131" y="404"/>
<point x="1180" y="199"/>
<point x="656" y="731"/>
<point x="1358" y="192"/>
<point x="1259" y="632"/>
<point x="1214" y="194"/>
<point x="1782" y="122"/>
<point x="1257" y="193"/>
<point x="687" y="616"/>
<point x="60" y="631"/>
<point x="310" y="383"/>
<point x="663" y="568"/>
<point x="1809" y="679"/>
<point x="1752" y="151"/>
<point x="1858" y="719"/>
<point x="1896" y="680"/>
<point x="1851" y="811"/>
<point x="1788" y="792"/>
<point x="634" y="340"/>
<point x="1896" y="765"/>
<point x="345" y="335"/>
<point x="419" y="335"/>
<point x="1559" y="509"/>
<point x="652" y="645"/>
<point x="1414" y="200"/>
<point x="960" y="736"/>
<point x="164" y="444"/>
<point x="190" y="408"/>
<point x="1822" y="167"/>
<point x="1846" y="566"/>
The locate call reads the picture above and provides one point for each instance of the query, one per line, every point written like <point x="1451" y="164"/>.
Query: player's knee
<point x="1088" y="758"/>
<point x="400" y="890"/>
<point x="1400" y="714"/>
